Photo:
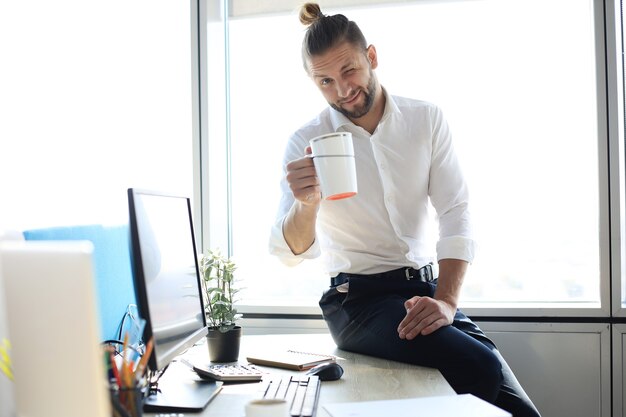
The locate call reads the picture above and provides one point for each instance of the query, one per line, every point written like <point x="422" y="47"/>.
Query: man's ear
<point x="372" y="56"/>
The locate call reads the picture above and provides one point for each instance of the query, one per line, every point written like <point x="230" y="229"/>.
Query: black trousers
<point x="366" y="318"/>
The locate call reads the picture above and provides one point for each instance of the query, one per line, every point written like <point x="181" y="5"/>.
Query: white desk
<point x="365" y="378"/>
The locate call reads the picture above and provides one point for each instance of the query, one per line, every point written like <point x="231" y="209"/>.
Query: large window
<point x="97" y="99"/>
<point x="94" y="98"/>
<point x="517" y="81"/>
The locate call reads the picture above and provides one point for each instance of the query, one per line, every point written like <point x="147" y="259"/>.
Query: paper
<point x="465" y="405"/>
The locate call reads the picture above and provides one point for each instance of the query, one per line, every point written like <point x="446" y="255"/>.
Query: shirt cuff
<point x="456" y="247"/>
<point x="278" y="246"/>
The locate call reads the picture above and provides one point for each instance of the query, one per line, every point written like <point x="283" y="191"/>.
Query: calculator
<point x="232" y="372"/>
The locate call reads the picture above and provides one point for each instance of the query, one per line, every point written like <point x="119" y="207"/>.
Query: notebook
<point x="57" y="361"/>
<point x="290" y="359"/>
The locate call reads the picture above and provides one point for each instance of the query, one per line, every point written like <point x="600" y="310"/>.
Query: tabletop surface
<point x="365" y="378"/>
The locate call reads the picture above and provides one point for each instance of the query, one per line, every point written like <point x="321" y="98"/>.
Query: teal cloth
<point x="113" y="272"/>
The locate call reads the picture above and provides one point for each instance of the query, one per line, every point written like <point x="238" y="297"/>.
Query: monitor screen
<point x="167" y="280"/>
<point x="168" y="288"/>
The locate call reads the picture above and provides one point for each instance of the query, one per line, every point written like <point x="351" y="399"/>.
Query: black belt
<point x="424" y="274"/>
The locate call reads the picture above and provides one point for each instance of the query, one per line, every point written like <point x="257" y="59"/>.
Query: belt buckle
<point x="425" y="273"/>
<point x="407" y="274"/>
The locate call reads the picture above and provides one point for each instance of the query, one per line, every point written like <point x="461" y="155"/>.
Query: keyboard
<point x="301" y="392"/>
<point x="227" y="372"/>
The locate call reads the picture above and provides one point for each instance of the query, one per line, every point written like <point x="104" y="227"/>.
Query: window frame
<point x="616" y="158"/>
<point x="610" y="113"/>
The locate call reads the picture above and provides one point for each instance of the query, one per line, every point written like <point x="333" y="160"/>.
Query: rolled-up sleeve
<point x="450" y="196"/>
<point x="278" y="246"/>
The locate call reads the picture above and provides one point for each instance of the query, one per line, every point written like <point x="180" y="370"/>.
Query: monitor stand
<point x="181" y="390"/>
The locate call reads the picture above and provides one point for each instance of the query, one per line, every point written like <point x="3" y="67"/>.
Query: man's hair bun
<point x="310" y="13"/>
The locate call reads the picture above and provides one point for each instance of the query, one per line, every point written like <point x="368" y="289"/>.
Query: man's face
<point x="344" y="76"/>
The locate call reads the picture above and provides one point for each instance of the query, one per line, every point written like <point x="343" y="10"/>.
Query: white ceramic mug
<point x="333" y="157"/>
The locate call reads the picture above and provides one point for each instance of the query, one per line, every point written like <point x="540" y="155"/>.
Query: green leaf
<point x="218" y="273"/>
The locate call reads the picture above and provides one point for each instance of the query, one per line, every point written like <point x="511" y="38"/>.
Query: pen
<point x="107" y="362"/>
<point x="128" y="372"/>
<point x="125" y="348"/>
<point x="116" y="372"/>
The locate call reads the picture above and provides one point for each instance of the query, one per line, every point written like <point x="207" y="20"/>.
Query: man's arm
<point x="449" y="195"/>
<point x="299" y="227"/>
<point x="424" y="314"/>
<point x="299" y="224"/>
<point x="451" y="275"/>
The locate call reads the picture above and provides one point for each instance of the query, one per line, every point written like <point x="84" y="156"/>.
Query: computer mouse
<point x="327" y="371"/>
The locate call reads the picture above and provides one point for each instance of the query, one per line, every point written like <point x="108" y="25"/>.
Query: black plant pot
<point x="224" y="347"/>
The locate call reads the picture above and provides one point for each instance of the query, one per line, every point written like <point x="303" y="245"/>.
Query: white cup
<point x="267" y="408"/>
<point x="333" y="157"/>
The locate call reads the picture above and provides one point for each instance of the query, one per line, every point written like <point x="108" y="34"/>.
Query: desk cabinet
<point x="565" y="368"/>
<point x="619" y="370"/>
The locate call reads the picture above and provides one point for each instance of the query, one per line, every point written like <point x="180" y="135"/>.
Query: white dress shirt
<point x="406" y="163"/>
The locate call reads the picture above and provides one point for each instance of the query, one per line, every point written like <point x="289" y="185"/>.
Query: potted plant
<point x="218" y="282"/>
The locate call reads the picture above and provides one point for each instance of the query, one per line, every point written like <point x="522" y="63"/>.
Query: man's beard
<point x="367" y="105"/>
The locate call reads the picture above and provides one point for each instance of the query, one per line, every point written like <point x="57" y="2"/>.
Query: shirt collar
<point x="338" y="120"/>
<point x="341" y="122"/>
<point x="390" y="106"/>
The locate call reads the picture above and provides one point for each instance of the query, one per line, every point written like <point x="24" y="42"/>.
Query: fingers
<point x="303" y="181"/>
<point x="410" y="303"/>
<point x="435" y="325"/>
<point x="424" y="316"/>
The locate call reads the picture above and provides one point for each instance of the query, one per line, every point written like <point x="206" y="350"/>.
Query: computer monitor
<point x="169" y="296"/>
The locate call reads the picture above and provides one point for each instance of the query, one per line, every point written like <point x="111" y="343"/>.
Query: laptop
<point x="57" y="361"/>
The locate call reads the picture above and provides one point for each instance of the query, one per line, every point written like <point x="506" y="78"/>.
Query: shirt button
<point x="389" y="198"/>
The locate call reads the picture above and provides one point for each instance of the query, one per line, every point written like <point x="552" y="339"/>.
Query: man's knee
<point x="487" y="372"/>
<point x="479" y="373"/>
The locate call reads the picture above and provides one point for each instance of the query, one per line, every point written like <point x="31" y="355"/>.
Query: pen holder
<point x="127" y="402"/>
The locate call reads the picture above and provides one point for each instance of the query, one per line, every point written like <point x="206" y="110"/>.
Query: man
<point x="384" y="299"/>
